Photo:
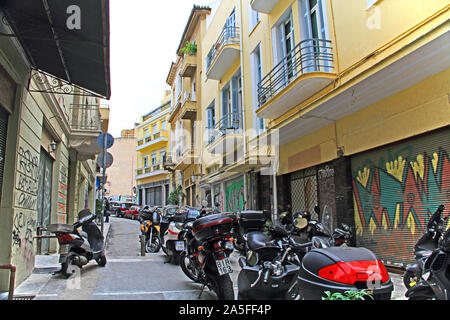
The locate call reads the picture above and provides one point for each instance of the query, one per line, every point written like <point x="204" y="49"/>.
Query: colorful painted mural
<point x="395" y="192"/>
<point x="234" y="196"/>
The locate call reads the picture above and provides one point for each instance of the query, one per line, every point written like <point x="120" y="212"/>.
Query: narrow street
<point x="127" y="275"/>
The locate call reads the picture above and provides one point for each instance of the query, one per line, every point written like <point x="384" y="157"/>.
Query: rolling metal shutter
<point x="396" y="189"/>
<point x="3" y="132"/>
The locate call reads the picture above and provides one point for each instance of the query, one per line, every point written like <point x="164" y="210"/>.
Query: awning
<point x="66" y="39"/>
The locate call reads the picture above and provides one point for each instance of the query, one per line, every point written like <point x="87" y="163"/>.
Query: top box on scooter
<point x="212" y="226"/>
<point x="252" y="220"/>
<point x="60" y="228"/>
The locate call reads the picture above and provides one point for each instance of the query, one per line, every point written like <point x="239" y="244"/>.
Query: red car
<point x="132" y="213"/>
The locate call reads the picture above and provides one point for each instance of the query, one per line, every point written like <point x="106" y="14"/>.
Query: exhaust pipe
<point x="80" y="261"/>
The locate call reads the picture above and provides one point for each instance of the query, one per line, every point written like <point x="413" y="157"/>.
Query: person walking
<point x="107" y="208"/>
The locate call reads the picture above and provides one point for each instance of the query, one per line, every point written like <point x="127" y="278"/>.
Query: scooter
<point x="271" y="267"/>
<point x="76" y="249"/>
<point x="435" y="278"/>
<point x="171" y="225"/>
<point x="425" y="247"/>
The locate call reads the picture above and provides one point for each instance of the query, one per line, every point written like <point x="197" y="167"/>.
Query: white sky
<point x="145" y="35"/>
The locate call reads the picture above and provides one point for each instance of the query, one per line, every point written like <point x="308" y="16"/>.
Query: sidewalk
<point x="44" y="267"/>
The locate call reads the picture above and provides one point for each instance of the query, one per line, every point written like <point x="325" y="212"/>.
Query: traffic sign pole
<point x="103" y="182"/>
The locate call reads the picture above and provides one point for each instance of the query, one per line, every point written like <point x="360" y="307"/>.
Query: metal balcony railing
<point x="311" y="55"/>
<point x="229" y="35"/>
<point x="230" y="123"/>
<point x="85" y="117"/>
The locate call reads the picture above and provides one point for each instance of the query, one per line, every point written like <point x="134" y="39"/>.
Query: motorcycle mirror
<point x="204" y="203"/>
<point x="317" y="209"/>
<point x="300" y="223"/>
<point x="252" y="258"/>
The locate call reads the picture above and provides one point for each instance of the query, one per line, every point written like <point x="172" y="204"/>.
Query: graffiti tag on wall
<point x="395" y="197"/>
<point x="235" y="196"/>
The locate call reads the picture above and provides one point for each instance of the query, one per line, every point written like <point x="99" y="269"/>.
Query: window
<point x="154" y="128"/>
<point x="256" y="66"/>
<point x="210" y="122"/>
<point x="163" y="156"/>
<point x="153" y="158"/>
<point x="145" y="161"/>
<point x="254" y="17"/>
<point x="145" y="132"/>
<point x="232" y="103"/>
<point x="370" y="3"/>
<point x="284" y="43"/>
<point x="164" y="125"/>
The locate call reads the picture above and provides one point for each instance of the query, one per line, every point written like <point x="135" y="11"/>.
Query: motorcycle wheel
<point x="224" y="287"/>
<point x="188" y="267"/>
<point x="153" y="246"/>
<point x="410" y="279"/>
<point x="68" y="268"/>
<point x="101" y="261"/>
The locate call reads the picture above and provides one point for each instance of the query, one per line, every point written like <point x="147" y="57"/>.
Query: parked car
<point x="114" y="208"/>
<point x="124" y="206"/>
<point x="132" y="213"/>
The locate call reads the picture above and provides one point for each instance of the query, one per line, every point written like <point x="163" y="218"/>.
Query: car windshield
<point x="193" y="214"/>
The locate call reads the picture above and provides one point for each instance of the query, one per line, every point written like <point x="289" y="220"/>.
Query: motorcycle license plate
<point x="224" y="266"/>
<point x="179" y="245"/>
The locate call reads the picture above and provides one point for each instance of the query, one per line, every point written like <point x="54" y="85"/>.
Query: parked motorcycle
<point x="171" y="224"/>
<point x="246" y="222"/>
<point x="206" y="258"/>
<point x="271" y="267"/>
<point x="150" y="227"/>
<point x="76" y="249"/>
<point x="434" y="269"/>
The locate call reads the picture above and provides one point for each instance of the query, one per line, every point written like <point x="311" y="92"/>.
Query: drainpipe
<point x="243" y="98"/>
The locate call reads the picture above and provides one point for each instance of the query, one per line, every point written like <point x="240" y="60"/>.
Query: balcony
<point x="168" y="164"/>
<point x="150" y="171"/>
<point x="188" y="66"/>
<point x="305" y="71"/>
<point x="86" y="125"/>
<point x="223" y="53"/>
<point x="187" y="108"/>
<point x="226" y="135"/>
<point x="154" y="140"/>
<point x="185" y="158"/>
<point x="263" y="6"/>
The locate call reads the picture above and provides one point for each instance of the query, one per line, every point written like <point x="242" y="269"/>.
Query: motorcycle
<point x="76" y="249"/>
<point x="246" y="222"/>
<point x="150" y="228"/>
<point x="434" y="282"/>
<point x="206" y="258"/>
<point x="171" y="224"/>
<point x="271" y="267"/>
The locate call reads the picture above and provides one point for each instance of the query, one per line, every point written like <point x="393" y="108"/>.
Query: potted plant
<point x="189" y="48"/>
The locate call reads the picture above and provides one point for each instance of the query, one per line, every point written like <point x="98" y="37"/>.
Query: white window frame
<point x="253" y="17"/>
<point x="254" y="67"/>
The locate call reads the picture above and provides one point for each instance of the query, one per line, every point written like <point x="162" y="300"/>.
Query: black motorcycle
<point x="271" y="267"/>
<point x="431" y="278"/>
<point x="244" y="223"/>
<point x="76" y="249"/>
<point x="206" y="256"/>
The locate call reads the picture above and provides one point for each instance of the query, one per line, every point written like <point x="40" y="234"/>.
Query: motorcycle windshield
<point x="327" y="220"/>
<point x="193" y="214"/>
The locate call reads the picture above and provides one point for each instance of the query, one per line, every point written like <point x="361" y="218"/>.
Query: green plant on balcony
<point x="189" y="48"/>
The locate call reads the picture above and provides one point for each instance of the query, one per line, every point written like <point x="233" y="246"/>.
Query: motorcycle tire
<point x="68" y="268"/>
<point x="153" y="246"/>
<point x="224" y="287"/>
<point x="186" y="265"/>
<point x="410" y="279"/>
<point x="101" y="261"/>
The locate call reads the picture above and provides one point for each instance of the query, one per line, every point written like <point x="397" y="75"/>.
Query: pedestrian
<point x="106" y="212"/>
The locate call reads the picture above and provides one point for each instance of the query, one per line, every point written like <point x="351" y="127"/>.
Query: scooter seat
<point x="257" y="240"/>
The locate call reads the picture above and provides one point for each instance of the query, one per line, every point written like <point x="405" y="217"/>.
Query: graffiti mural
<point x="395" y="194"/>
<point x="235" y="196"/>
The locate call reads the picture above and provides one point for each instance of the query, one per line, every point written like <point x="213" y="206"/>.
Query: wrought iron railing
<point x="311" y="55"/>
<point x="231" y="123"/>
<point x="85" y="117"/>
<point x="229" y="35"/>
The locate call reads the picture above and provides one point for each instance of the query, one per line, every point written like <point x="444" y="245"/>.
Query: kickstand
<point x="201" y="291"/>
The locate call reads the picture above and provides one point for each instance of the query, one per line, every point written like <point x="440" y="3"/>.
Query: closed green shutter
<point x="396" y="189"/>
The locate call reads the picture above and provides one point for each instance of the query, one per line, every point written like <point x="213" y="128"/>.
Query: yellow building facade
<point x="152" y="136"/>
<point x="343" y="104"/>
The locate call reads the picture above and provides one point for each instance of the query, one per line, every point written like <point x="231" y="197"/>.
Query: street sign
<point x="108" y="159"/>
<point x="109" y="140"/>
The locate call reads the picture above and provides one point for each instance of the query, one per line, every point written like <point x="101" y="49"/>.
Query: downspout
<point x="243" y="100"/>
